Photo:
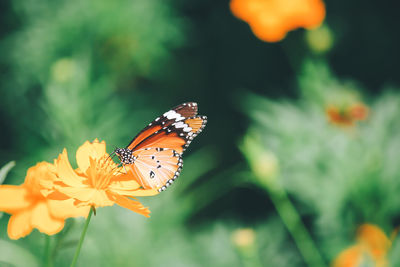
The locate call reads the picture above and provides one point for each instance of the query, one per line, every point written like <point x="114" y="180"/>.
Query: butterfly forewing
<point x="178" y="113"/>
<point x="196" y="123"/>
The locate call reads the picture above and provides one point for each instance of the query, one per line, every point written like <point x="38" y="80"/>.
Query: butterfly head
<point x="125" y="155"/>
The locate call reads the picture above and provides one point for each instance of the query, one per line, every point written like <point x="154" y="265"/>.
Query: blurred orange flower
<point x="30" y="209"/>
<point x="97" y="182"/>
<point x="347" y="116"/>
<point x="372" y="246"/>
<point x="270" y="20"/>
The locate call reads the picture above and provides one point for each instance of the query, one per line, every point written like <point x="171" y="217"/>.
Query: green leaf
<point x="14" y="255"/>
<point x="4" y="171"/>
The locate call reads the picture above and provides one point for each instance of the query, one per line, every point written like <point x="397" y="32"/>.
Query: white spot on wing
<point x="187" y="129"/>
<point x="180" y="124"/>
<point x="173" y="115"/>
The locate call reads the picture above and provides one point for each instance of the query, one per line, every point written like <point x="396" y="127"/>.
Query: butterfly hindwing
<point x="156" y="167"/>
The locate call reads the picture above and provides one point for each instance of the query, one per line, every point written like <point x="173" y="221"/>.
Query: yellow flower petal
<point x="63" y="209"/>
<point x="95" y="150"/>
<point x="100" y="198"/>
<point x="97" y="182"/>
<point x="65" y="172"/>
<point x="44" y="222"/>
<point x="90" y="195"/>
<point x="124" y="185"/>
<point x="54" y="195"/>
<point x="13" y="198"/>
<point x="19" y="224"/>
<point x="136" y="193"/>
<point x="133" y="205"/>
<point x="42" y="174"/>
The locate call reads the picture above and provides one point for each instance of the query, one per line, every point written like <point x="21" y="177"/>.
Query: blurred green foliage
<point x="339" y="177"/>
<point x="68" y="65"/>
<point x="72" y="71"/>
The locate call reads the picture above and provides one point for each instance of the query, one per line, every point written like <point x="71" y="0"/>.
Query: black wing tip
<point x="204" y="118"/>
<point x="190" y="104"/>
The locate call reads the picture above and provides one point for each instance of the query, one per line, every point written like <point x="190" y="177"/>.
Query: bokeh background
<point x="302" y="145"/>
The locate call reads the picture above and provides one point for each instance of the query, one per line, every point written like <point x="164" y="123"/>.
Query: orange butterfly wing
<point x="157" y="150"/>
<point x="176" y="136"/>
<point x="155" y="168"/>
<point x="177" y="113"/>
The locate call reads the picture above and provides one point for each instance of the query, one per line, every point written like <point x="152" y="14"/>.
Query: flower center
<point x="101" y="172"/>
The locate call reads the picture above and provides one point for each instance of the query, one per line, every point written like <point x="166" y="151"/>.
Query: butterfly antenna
<point x="111" y="156"/>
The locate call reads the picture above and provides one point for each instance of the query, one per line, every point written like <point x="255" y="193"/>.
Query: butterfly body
<point x="154" y="156"/>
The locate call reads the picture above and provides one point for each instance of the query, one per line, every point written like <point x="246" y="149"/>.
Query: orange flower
<point x="358" y="112"/>
<point x="347" y="116"/>
<point x="30" y="209"/>
<point x="270" y="20"/>
<point x="372" y="246"/>
<point x="97" y="182"/>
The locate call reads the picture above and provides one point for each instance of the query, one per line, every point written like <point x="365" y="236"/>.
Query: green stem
<point x="47" y="254"/>
<point x="293" y="222"/>
<point x="250" y="256"/>
<point x="78" y="249"/>
<point x="60" y="238"/>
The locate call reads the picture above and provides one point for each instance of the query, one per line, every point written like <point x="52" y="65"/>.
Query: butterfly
<point x="154" y="156"/>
